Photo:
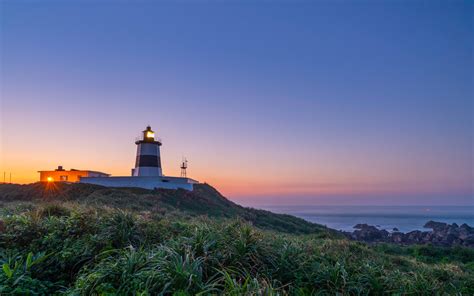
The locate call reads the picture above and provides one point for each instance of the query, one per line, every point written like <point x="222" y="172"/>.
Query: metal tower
<point x="184" y="166"/>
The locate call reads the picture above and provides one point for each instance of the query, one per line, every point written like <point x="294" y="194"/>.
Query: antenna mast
<point x="184" y="166"/>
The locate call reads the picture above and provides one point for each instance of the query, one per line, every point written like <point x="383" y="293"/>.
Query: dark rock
<point x="466" y="227"/>
<point x="369" y="233"/>
<point x="449" y="239"/>
<point x="464" y="234"/>
<point x="414" y="236"/>
<point x="362" y="226"/>
<point x="443" y="234"/>
<point x="436" y="226"/>
<point x="395" y="229"/>
<point x="397" y="237"/>
<point x="469" y="241"/>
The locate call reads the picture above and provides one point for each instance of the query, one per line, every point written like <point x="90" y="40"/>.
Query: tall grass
<point x="109" y="252"/>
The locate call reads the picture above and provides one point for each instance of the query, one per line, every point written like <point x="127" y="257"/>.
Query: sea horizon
<point x="405" y="218"/>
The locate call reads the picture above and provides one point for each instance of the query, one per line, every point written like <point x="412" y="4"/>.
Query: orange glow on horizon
<point x="251" y="186"/>
<point x="239" y="176"/>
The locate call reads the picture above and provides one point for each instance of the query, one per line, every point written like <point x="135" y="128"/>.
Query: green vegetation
<point x="429" y="253"/>
<point x="204" y="200"/>
<point x="83" y="247"/>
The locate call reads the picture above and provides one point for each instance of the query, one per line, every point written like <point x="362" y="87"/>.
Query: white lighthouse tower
<point x="147" y="172"/>
<point x="148" y="162"/>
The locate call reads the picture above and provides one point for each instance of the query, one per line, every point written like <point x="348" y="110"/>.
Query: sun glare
<point x="50" y="179"/>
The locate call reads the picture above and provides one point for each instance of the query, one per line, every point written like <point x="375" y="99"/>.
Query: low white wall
<point x="141" y="182"/>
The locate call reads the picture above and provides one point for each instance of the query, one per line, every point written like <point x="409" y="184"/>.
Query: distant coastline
<point x="403" y="218"/>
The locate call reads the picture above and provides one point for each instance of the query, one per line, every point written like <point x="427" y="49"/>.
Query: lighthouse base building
<point x="146" y="174"/>
<point x="151" y="182"/>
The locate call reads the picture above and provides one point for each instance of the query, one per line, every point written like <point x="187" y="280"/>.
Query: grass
<point x="204" y="200"/>
<point x="97" y="251"/>
<point x="83" y="240"/>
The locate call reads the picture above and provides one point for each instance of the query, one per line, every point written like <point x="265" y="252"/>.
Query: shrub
<point x="17" y="275"/>
<point x="53" y="209"/>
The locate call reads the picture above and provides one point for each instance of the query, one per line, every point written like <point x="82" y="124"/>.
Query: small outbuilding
<point x="73" y="175"/>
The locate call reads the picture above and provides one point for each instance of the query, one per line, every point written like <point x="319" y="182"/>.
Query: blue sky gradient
<point x="288" y="102"/>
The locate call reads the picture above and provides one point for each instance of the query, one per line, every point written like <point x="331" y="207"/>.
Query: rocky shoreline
<point x="441" y="234"/>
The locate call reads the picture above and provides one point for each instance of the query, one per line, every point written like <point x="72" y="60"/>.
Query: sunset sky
<point x="280" y="102"/>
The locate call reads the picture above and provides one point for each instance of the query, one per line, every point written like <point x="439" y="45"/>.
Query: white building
<point x="147" y="172"/>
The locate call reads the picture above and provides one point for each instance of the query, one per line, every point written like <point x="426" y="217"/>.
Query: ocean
<point x="405" y="218"/>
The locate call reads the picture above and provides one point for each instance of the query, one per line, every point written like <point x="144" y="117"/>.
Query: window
<point x="63" y="178"/>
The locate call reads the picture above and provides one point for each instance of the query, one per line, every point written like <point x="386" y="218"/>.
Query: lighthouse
<point x="148" y="161"/>
<point x="146" y="174"/>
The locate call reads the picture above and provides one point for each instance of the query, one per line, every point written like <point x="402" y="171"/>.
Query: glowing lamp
<point x="150" y="134"/>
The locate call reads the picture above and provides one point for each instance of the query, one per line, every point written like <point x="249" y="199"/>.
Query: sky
<point x="272" y="102"/>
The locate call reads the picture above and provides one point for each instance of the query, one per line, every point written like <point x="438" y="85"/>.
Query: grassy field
<point x="204" y="200"/>
<point x="82" y="240"/>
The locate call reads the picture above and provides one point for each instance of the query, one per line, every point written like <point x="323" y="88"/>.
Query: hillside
<point x="76" y="239"/>
<point x="204" y="200"/>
